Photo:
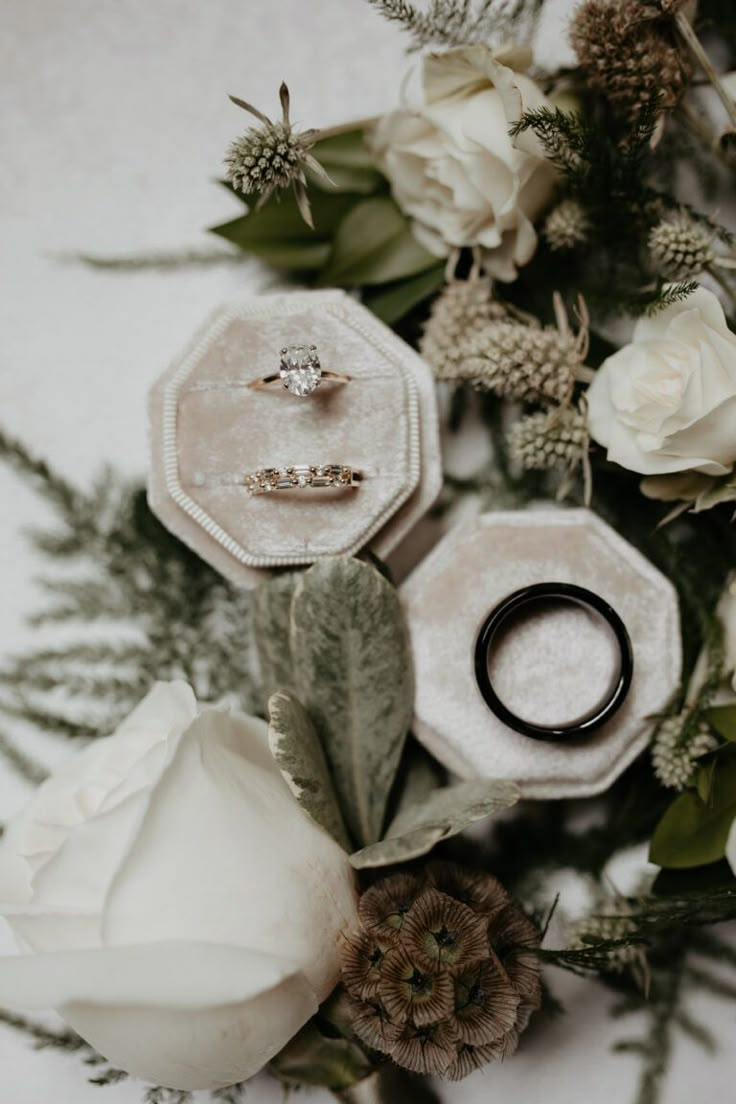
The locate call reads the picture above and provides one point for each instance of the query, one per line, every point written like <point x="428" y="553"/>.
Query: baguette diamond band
<point x="299" y="476"/>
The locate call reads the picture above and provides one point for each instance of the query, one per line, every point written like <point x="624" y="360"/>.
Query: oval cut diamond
<point x="300" y="369"/>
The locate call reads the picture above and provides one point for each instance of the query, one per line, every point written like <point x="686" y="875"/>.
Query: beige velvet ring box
<point x="209" y="430"/>
<point x="564" y="666"/>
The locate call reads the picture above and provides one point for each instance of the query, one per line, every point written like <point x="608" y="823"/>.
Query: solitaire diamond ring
<point x="297" y="476"/>
<point x="300" y="372"/>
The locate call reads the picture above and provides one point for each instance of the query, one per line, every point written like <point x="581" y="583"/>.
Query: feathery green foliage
<point x="459" y="22"/>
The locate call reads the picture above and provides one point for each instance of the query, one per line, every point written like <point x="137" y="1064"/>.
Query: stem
<point x="692" y="121"/>
<point x="695" y="47"/>
<point x="723" y="284"/>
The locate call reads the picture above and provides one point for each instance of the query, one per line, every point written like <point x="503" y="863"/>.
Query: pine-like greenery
<point x="459" y="22"/>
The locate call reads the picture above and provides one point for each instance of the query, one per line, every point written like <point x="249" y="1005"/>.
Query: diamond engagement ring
<point x="297" y="476"/>
<point x="300" y="372"/>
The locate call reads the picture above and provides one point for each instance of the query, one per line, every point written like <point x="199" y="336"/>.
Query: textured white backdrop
<point x="112" y="126"/>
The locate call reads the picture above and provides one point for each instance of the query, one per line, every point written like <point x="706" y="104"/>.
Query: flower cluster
<point x="441" y="975"/>
<point x="678" y="746"/>
<point x="463" y="309"/>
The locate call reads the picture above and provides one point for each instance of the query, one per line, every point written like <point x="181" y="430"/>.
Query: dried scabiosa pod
<point x="442" y="977"/>
<point x="273" y="156"/>
<point x="630" y="53"/>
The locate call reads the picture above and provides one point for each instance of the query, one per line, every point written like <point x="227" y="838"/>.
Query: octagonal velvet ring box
<point x="210" y="431"/>
<point x="474" y="568"/>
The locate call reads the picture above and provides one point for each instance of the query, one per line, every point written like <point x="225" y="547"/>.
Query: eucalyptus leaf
<point x="311" y="1058"/>
<point x="694" y="832"/>
<point x="296" y="748"/>
<point x="392" y="302"/>
<point x="416" y="829"/>
<point x="374" y="245"/>
<point x="353" y="673"/>
<point x="723" y="719"/>
<point x="271" y="621"/>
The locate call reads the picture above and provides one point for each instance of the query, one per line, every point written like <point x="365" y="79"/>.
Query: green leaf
<point x="374" y="245"/>
<point x="277" y="233"/>
<point x="693" y="832"/>
<point x="271" y="621"/>
<point x="296" y="748"/>
<point x="416" y="829"/>
<point x="353" y="672"/>
<point x="313" y="1059"/>
<point x="723" y="719"/>
<point x="391" y="302"/>
<point x="349" y="163"/>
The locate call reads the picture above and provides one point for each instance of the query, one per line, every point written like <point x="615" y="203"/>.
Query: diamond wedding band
<point x="300" y="372"/>
<point x="298" y="476"/>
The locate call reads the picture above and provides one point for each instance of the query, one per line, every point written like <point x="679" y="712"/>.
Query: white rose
<point x="453" y="167"/>
<point x="667" y="402"/>
<point x="181" y="910"/>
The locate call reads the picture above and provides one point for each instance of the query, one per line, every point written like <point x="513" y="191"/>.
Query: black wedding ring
<point x="525" y="599"/>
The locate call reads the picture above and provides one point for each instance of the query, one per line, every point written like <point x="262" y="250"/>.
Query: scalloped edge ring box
<point x="209" y="431"/>
<point x="467" y="574"/>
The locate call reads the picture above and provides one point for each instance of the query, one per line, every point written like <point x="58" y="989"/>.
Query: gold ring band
<point x="300" y="476"/>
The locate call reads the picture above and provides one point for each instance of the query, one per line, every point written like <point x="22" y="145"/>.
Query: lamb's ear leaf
<point x="271" y="620"/>
<point x="296" y="748"/>
<point x="416" y="829"/>
<point x="353" y="673"/>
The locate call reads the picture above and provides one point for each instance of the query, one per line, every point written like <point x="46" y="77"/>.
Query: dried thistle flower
<point x="678" y="744"/>
<point x="461" y="309"/>
<point x="610" y="921"/>
<point x="273" y="156"/>
<point x="553" y="440"/>
<point x="680" y="247"/>
<point x="529" y="363"/>
<point x="630" y="53"/>
<point x="459" y="979"/>
<point x="566" y="226"/>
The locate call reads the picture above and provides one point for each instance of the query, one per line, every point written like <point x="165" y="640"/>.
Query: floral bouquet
<point x="262" y="866"/>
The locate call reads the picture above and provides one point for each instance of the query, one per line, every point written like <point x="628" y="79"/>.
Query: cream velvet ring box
<point x="211" y="432"/>
<point x="553" y="669"/>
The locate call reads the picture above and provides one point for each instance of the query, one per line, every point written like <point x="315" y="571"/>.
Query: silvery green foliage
<point x="353" y="672"/>
<point x="271" y="621"/>
<point x="296" y="748"/>
<point x="417" y="828"/>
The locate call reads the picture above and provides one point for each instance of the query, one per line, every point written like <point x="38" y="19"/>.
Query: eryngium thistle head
<point x="566" y="226"/>
<point x="272" y="156"/>
<point x="442" y="975"/>
<point x="629" y="52"/>
<point x="680" y="247"/>
<point x="462" y="308"/>
<point x="678" y="744"/>
<point x="550" y="439"/>
<point x="526" y="363"/>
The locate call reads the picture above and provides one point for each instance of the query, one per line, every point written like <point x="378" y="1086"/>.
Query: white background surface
<point x="113" y="120"/>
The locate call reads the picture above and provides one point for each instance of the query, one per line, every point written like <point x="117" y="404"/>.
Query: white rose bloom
<point x="453" y="167"/>
<point x="667" y="402"/>
<point x="179" y="909"/>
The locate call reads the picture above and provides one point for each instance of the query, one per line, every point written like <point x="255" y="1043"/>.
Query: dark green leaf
<point x="349" y="163"/>
<point x="374" y="245"/>
<point x="353" y="673"/>
<point x="693" y="832"/>
<point x="296" y="748"/>
<point x="391" y="302"/>
<point x="723" y="719"/>
<point x="313" y="1059"/>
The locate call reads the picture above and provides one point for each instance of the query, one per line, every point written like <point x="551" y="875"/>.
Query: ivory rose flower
<point x="667" y="402"/>
<point x="452" y="165"/>
<point x="177" y="907"/>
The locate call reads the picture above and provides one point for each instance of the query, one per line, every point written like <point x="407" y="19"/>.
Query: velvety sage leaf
<point x="271" y="622"/>
<point x="392" y="302"/>
<point x="374" y="245"/>
<point x="419" y="776"/>
<point x="310" y="1058"/>
<point x="416" y="829"/>
<point x="296" y="748"/>
<point x="349" y="163"/>
<point x="353" y="672"/>
<point x="693" y="832"/>
<point x="723" y="719"/>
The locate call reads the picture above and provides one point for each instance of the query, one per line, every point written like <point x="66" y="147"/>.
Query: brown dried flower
<point x="443" y="976"/>
<point x="630" y="53"/>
